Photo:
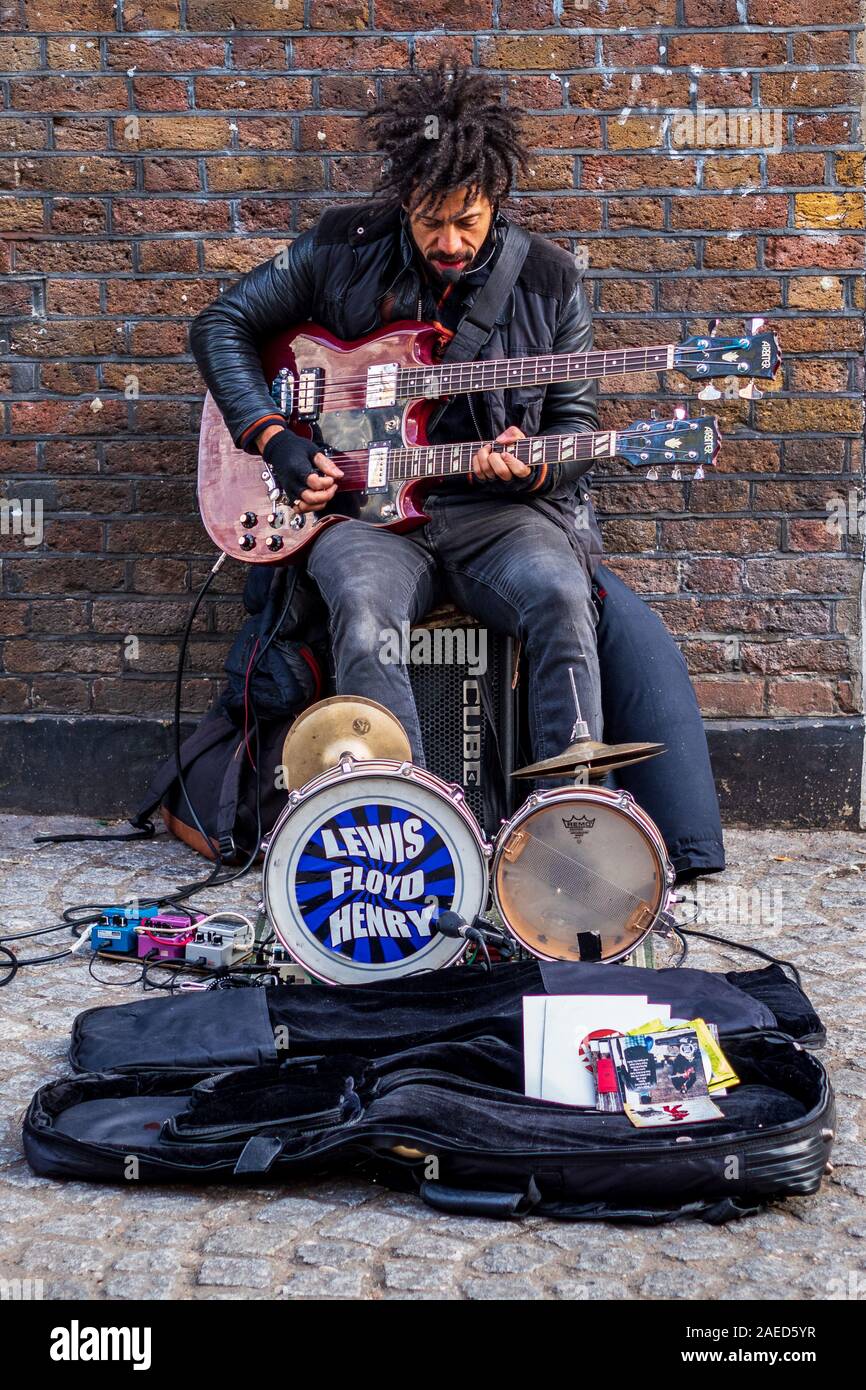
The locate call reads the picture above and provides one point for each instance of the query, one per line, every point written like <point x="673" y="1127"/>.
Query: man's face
<point x="450" y="236"/>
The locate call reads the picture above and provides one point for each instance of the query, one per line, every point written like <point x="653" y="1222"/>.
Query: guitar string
<point x="405" y="455"/>
<point x="342" y="395"/>
<point x="496" y="363"/>
<point x="354" y="388"/>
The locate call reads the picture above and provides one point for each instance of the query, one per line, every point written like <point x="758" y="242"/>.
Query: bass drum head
<point x="578" y="876"/>
<point x="356" y="869"/>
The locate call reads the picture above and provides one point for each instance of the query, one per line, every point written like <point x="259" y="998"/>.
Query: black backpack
<point x="229" y="762"/>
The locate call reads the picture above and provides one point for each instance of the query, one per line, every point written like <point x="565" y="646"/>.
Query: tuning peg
<point x="679" y="412"/>
<point x="676" y="473"/>
<point x="756" y="325"/>
<point x="699" y="472"/>
<point x="714" y="323"/>
<point x="652" y="474"/>
<point x="750" y="392"/>
<point x="709" y="393"/>
<point x="654" y="415"/>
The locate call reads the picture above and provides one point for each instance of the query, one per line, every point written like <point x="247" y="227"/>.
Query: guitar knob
<point x="248" y="519"/>
<point x="274" y="543"/>
<point x="709" y="393"/>
<point x="388" y="511"/>
<point x="246" y="541"/>
<point x="275" y="518"/>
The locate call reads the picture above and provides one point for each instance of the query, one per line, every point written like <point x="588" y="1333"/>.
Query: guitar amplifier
<point x="452" y="696"/>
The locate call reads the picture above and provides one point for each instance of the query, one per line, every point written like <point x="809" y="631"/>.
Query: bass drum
<point x="581" y="874"/>
<point x="361" y="862"/>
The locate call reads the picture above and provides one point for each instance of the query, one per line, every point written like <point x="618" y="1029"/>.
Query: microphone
<point x="451" y="924"/>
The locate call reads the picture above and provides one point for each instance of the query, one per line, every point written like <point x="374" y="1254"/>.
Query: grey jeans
<point x="500" y="561"/>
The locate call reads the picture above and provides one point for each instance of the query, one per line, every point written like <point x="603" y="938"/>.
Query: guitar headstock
<point x="686" y="446"/>
<point x="755" y="354"/>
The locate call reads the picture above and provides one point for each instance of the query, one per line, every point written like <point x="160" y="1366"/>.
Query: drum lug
<point x="294" y="797"/>
<point x="347" y="762"/>
<point x="263" y="846"/>
<point x="625" y="798"/>
<point x="405" y="769"/>
<point x="665" y="923"/>
<point x="455" y="791"/>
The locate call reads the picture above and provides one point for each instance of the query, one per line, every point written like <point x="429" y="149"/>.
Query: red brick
<point x="730" y="697"/>
<point x="165" y="54"/>
<point x="798" y="654"/>
<point x="232" y="93"/>
<point x="808" y="535"/>
<point x="450" y="14"/>
<point x="738" y="213"/>
<point x="723" y="50"/>
<point x="789" y="697"/>
<point x="257" y="14"/>
<point x="68" y="93"/>
<point x="358" y="54"/>
<point x="815" y="250"/>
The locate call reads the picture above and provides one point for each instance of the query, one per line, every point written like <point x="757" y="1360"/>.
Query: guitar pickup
<point x="381" y="384"/>
<point x="311" y="382"/>
<point x="283" y="391"/>
<point x="377" y="468"/>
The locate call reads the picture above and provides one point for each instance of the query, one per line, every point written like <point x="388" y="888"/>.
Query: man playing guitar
<point x="511" y="546"/>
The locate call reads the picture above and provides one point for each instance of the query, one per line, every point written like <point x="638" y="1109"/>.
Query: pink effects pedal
<point x="167" y="934"/>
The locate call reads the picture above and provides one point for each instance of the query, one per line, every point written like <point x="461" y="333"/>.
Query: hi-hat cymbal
<point x="598" y="757"/>
<point x="342" y="724"/>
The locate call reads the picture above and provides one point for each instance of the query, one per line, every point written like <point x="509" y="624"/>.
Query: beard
<point x="449" y="273"/>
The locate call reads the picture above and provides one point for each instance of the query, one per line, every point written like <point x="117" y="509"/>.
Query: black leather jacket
<point x="337" y="275"/>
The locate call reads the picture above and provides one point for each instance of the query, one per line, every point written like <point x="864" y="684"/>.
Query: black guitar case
<point x="295" y="1081"/>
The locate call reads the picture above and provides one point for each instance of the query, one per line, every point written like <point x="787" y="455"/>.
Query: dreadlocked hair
<point x="443" y="129"/>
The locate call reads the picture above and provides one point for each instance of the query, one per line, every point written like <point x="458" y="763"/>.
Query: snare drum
<point x="581" y="874"/>
<point x="360" y="863"/>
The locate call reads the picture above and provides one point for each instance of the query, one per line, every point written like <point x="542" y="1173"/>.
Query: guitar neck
<point x="453" y="378"/>
<point x="447" y="460"/>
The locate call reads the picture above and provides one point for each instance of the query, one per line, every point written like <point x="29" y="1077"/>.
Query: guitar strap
<point x="477" y="323"/>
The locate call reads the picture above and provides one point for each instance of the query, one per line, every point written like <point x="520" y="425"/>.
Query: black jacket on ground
<point x="337" y="275"/>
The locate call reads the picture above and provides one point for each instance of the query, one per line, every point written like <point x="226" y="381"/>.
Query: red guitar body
<point x="330" y="376"/>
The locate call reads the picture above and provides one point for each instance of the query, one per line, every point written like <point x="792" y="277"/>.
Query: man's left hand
<point x="490" y="464"/>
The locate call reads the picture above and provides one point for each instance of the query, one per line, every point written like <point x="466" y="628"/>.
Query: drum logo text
<point x="579" y="826"/>
<point x="368" y="901"/>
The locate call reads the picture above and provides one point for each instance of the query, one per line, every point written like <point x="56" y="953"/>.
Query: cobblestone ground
<point x="350" y="1239"/>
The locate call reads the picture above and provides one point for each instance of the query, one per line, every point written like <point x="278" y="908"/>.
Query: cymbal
<point x="342" y="724"/>
<point x="598" y="757"/>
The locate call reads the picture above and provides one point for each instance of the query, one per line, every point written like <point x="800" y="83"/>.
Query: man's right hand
<point x="291" y="460"/>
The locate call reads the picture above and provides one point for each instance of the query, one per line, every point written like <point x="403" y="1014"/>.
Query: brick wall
<point x="152" y="150"/>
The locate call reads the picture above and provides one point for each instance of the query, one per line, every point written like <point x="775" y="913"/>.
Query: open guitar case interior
<point x="293" y="1082"/>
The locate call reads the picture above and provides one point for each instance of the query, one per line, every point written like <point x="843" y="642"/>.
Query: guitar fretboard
<point x="441" y="460"/>
<point x="452" y="378"/>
